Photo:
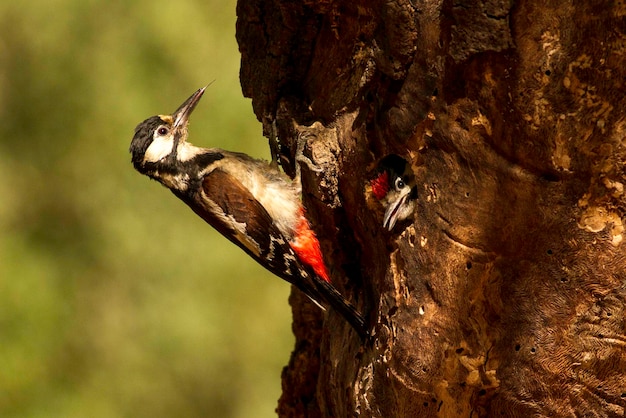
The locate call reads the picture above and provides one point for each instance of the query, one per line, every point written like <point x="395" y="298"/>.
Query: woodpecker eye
<point x="162" y="130"/>
<point x="400" y="183"/>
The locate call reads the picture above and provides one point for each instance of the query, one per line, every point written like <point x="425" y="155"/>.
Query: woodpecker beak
<point x="397" y="208"/>
<point x="181" y="116"/>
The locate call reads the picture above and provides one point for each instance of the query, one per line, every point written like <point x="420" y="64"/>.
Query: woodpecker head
<point x="395" y="188"/>
<point x="160" y="142"/>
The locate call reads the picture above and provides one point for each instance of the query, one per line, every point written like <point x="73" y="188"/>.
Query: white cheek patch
<point x="159" y="148"/>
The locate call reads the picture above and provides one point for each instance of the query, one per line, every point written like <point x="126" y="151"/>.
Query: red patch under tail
<point x="307" y="247"/>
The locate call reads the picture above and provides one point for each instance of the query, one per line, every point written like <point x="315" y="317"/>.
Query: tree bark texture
<point x="505" y="295"/>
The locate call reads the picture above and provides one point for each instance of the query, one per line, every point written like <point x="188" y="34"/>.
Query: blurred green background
<point x="115" y="299"/>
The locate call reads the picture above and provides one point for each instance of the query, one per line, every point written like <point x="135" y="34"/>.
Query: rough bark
<point x="506" y="294"/>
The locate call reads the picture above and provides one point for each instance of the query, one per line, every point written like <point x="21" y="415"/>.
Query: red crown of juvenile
<point x="380" y="185"/>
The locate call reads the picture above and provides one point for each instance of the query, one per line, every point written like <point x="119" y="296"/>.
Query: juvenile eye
<point x="399" y="183"/>
<point x="162" y="131"/>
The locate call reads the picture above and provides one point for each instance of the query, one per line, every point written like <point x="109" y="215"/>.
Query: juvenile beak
<point x="396" y="206"/>
<point x="181" y="116"/>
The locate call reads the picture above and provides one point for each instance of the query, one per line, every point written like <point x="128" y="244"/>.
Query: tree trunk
<point x="505" y="294"/>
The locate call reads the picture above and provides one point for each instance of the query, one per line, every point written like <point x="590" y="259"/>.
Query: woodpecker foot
<point x="309" y="163"/>
<point x="301" y="158"/>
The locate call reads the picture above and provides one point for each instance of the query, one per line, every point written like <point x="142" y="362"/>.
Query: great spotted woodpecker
<point x="247" y="200"/>
<point x="394" y="186"/>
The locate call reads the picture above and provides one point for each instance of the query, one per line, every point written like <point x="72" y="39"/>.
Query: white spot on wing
<point x="290" y="261"/>
<point x="273" y="241"/>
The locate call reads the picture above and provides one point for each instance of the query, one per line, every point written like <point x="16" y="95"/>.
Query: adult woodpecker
<point x="394" y="186"/>
<point x="247" y="200"/>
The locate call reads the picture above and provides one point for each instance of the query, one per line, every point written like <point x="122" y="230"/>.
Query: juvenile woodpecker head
<point x="395" y="188"/>
<point x="160" y="142"/>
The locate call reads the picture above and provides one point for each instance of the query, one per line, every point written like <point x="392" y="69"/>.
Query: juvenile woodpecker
<point x="251" y="203"/>
<point x="394" y="186"/>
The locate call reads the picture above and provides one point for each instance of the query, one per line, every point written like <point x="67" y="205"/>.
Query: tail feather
<point x="322" y="292"/>
<point x="343" y="307"/>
